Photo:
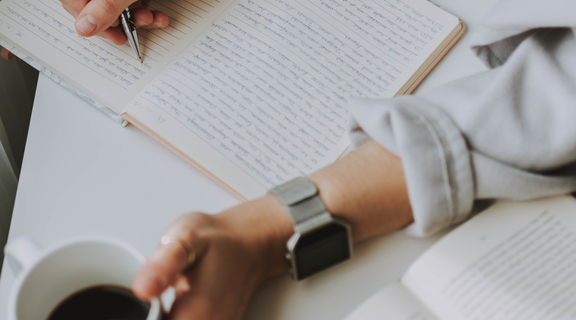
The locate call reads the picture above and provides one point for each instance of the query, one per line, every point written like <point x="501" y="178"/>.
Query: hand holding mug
<point x="233" y="253"/>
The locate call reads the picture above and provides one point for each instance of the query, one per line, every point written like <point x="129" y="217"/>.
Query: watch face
<point x="321" y="249"/>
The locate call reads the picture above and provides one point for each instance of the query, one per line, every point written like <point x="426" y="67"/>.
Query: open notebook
<point x="514" y="261"/>
<point x="252" y="92"/>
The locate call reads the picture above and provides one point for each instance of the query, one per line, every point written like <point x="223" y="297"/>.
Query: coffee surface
<point x="101" y="303"/>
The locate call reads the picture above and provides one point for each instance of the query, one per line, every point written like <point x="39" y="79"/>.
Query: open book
<point x="252" y="92"/>
<point x="513" y="261"/>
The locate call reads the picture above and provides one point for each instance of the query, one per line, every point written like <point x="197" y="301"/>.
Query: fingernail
<point x="86" y="24"/>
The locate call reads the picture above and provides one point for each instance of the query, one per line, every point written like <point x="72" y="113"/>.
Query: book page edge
<point x="435" y="61"/>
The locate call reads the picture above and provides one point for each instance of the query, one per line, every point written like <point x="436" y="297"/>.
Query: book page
<point x="394" y="302"/>
<point x="265" y="89"/>
<point x="108" y="73"/>
<point x="515" y="261"/>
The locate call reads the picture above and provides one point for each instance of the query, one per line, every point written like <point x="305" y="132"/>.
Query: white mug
<point x="47" y="277"/>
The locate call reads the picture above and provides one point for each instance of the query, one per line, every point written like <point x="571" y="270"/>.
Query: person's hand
<point x="4" y="53"/>
<point x="236" y="250"/>
<point x="100" y="17"/>
<point x="243" y="246"/>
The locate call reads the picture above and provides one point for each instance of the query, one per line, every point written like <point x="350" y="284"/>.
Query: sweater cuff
<point x="435" y="158"/>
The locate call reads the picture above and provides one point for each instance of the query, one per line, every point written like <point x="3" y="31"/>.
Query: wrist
<point x="279" y="229"/>
<point x="319" y="241"/>
<point x="264" y="227"/>
<point x="367" y="189"/>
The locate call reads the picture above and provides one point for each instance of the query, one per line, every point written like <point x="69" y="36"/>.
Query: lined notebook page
<point x="260" y="97"/>
<point x="108" y="73"/>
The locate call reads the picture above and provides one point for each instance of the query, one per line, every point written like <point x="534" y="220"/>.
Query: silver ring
<point x="191" y="254"/>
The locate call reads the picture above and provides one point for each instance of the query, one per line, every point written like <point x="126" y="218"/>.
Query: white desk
<point x="84" y="174"/>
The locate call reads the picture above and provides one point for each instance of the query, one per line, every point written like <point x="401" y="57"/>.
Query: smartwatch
<point x="320" y="240"/>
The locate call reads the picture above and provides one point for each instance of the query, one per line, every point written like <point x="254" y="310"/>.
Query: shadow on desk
<point x="17" y="88"/>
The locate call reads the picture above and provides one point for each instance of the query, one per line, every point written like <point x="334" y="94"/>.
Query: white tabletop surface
<point x="85" y="174"/>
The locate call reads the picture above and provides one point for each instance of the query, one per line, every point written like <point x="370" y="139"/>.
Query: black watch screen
<point x="321" y="248"/>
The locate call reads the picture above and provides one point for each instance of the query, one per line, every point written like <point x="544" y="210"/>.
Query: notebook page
<point x="393" y="302"/>
<point x="515" y="261"/>
<point x="108" y="73"/>
<point x="265" y="88"/>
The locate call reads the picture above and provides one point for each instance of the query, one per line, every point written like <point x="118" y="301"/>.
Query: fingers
<point x="116" y="34"/>
<point x="217" y="288"/>
<point x="161" y="269"/>
<point x="6" y="54"/>
<point x="159" y="20"/>
<point x="143" y="18"/>
<point x="170" y="260"/>
<point x="74" y="7"/>
<point x="98" y="15"/>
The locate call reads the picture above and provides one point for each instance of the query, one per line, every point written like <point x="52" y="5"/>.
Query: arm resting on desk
<point x="241" y="247"/>
<point x="507" y="133"/>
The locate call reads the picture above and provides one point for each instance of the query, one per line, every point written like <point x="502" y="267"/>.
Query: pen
<point x="130" y="31"/>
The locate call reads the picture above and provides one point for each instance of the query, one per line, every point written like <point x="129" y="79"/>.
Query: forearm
<point x="366" y="188"/>
<point x="236" y="250"/>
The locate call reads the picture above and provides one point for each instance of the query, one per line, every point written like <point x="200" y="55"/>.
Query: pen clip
<point x="130" y="31"/>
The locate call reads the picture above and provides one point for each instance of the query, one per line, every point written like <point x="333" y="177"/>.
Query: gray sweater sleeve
<point x="509" y="132"/>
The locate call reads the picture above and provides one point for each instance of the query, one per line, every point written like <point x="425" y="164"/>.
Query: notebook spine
<point x="61" y="81"/>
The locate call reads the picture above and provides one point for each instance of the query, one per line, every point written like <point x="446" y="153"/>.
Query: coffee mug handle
<point x="167" y="298"/>
<point x="21" y="253"/>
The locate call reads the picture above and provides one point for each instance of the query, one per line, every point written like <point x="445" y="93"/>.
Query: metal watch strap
<point x="300" y="196"/>
<point x="319" y="240"/>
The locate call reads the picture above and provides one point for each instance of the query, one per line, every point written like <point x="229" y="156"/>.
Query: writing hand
<point x="100" y="17"/>
<point x="6" y="54"/>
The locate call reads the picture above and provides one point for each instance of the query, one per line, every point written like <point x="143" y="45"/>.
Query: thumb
<point x="98" y="15"/>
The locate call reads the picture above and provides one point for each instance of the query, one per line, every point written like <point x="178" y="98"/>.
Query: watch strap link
<point x="300" y="196"/>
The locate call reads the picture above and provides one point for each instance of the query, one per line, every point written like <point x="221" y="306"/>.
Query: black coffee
<point x="101" y="303"/>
